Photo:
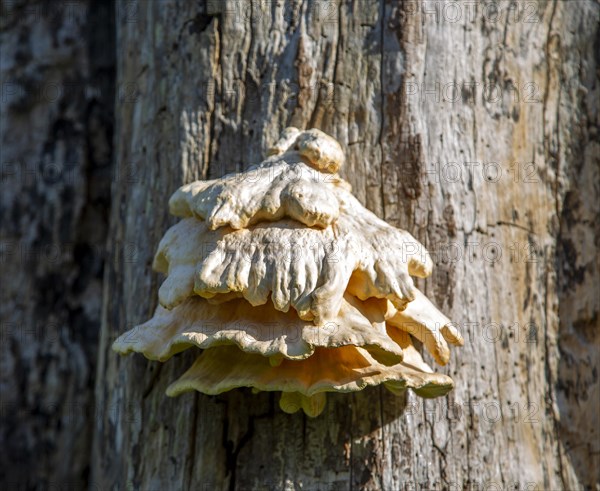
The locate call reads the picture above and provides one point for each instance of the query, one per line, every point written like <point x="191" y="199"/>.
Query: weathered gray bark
<point x="474" y="126"/>
<point x="57" y="81"/>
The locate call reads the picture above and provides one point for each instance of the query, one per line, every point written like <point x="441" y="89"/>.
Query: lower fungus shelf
<point x="305" y="382"/>
<point x="369" y="343"/>
<point x="261" y="330"/>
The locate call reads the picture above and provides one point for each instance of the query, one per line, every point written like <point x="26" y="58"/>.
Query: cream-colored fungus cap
<point x="286" y="282"/>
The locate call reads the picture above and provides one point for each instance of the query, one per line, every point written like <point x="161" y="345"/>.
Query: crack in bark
<point x="548" y="152"/>
<point x="192" y="441"/>
<point x="212" y="143"/>
<point x="154" y="378"/>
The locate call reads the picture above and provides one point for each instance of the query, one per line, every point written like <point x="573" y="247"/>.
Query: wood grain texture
<point x="475" y="129"/>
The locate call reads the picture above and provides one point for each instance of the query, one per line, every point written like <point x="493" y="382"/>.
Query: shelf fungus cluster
<point x="287" y="283"/>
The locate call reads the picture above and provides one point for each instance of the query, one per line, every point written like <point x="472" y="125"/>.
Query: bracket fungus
<point x="287" y="283"/>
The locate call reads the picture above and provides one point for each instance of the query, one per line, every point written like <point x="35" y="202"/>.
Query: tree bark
<point x="57" y="83"/>
<point x="475" y="127"/>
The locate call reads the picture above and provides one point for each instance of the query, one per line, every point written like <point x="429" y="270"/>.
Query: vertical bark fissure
<point x="551" y="378"/>
<point x="550" y="261"/>
<point x="382" y="104"/>
<point x="349" y="458"/>
<point x="212" y="145"/>
<point x="469" y="425"/>
<point x="383" y="438"/>
<point x="191" y="457"/>
<point x="248" y="75"/>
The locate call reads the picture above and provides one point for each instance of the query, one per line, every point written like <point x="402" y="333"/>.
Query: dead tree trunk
<point x="474" y="126"/>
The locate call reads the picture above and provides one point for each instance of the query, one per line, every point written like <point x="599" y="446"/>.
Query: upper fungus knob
<point x="316" y="148"/>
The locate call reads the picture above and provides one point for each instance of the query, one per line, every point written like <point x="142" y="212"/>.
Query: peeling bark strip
<point x="474" y="125"/>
